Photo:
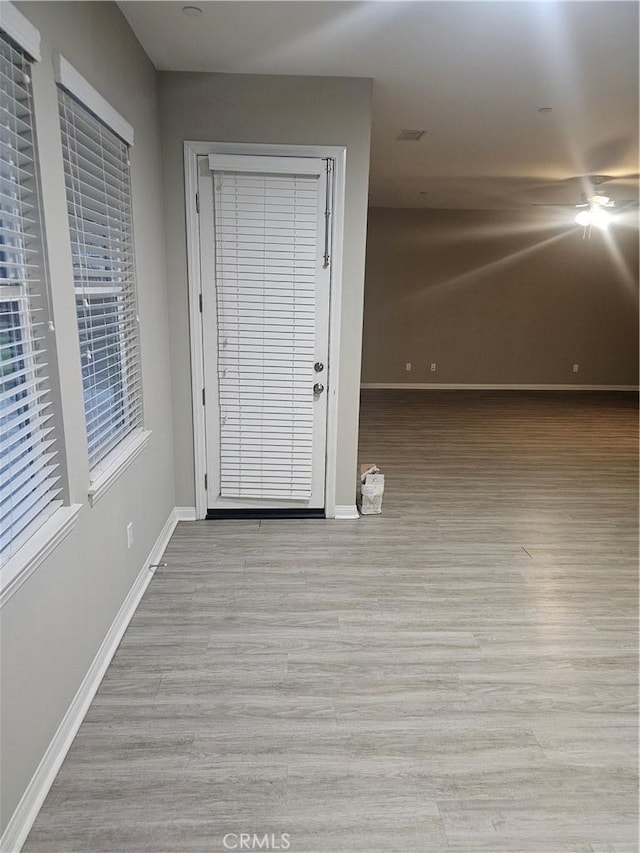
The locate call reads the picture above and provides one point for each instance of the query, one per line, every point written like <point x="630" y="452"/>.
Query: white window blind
<point x="266" y="260"/>
<point x="96" y="163"/>
<point x="29" y="476"/>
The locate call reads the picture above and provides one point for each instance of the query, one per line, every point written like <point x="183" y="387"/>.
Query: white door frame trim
<point x="192" y="150"/>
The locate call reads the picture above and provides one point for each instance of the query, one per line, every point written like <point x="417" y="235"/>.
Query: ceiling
<point x="472" y="74"/>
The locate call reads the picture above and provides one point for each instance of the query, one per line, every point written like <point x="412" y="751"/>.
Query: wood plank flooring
<point x="457" y="674"/>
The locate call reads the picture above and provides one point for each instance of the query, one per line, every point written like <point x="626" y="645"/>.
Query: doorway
<point x="266" y="271"/>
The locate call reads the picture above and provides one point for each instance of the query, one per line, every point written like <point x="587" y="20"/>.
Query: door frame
<point x="193" y="150"/>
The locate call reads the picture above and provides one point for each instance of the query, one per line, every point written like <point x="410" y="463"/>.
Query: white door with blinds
<point x="265" y="277"/>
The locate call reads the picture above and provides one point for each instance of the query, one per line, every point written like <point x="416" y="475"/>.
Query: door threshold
<point x="303" y="512"/>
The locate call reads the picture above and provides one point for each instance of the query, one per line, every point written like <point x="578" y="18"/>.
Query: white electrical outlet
<point x="433" y="367"/>
<point x="130" y="534"/>
<point x="407" y="366"/>
<point x="576" y="367"/>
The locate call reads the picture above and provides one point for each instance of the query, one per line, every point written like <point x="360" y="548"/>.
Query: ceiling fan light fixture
<point x="594" y="216"/>
<point x="600" y="218"/>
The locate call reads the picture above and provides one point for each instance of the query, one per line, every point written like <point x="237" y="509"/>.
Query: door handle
<point x="318" y="388"/>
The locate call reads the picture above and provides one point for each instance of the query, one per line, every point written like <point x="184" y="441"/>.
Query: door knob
<point x="318" y="367"/>
<point x="318" y="388"/>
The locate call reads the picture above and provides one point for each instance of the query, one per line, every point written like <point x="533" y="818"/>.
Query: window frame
<point x="109" y="466"/>
<point x="42" y="535"/>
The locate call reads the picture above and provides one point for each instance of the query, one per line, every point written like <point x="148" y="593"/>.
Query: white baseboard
<point x="185" y="513"/>
<point x="346" y="512"/>
<point x="462" y="386"/>
<point x="27" y="809"/>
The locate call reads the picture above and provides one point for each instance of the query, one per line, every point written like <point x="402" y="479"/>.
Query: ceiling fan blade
<point x="627" y="204"/>
<point x="587" y="185"/>
<point x="630" y="176"/>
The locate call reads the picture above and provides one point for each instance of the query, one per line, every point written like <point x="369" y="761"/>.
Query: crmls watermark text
<point x="254" y="841"/>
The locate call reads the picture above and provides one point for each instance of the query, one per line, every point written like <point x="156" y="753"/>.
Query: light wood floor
<point x="458" y="674"/>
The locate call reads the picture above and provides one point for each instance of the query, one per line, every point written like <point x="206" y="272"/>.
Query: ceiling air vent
<point x="410" y="135"/>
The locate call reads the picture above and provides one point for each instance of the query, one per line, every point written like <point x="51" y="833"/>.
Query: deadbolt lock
<point x="318" y="367"/>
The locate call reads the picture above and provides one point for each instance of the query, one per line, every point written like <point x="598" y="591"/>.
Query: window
<point x="96" y="163"/>
<point x="29" y="477"/>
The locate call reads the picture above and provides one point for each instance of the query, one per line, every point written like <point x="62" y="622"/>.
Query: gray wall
<point x="53" y="626"/>
<point x="266" y="109"/>
<point x="473" y="292"/>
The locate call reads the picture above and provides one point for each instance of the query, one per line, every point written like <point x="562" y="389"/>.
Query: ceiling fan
<point x="594" y="211"/>
<point x="596" y="205"/>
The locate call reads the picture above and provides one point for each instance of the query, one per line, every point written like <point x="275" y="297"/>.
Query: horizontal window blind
<point x="29" y="465"/>
<point x="96" y="164"/>
<point x="265" y="263"/>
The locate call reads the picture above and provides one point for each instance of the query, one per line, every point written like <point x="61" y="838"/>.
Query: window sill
<point x="117" y="463"/>
<point x="36" y="549"/>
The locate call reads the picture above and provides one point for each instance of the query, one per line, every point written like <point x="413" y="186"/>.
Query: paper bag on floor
<point x="371" y="492"/>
